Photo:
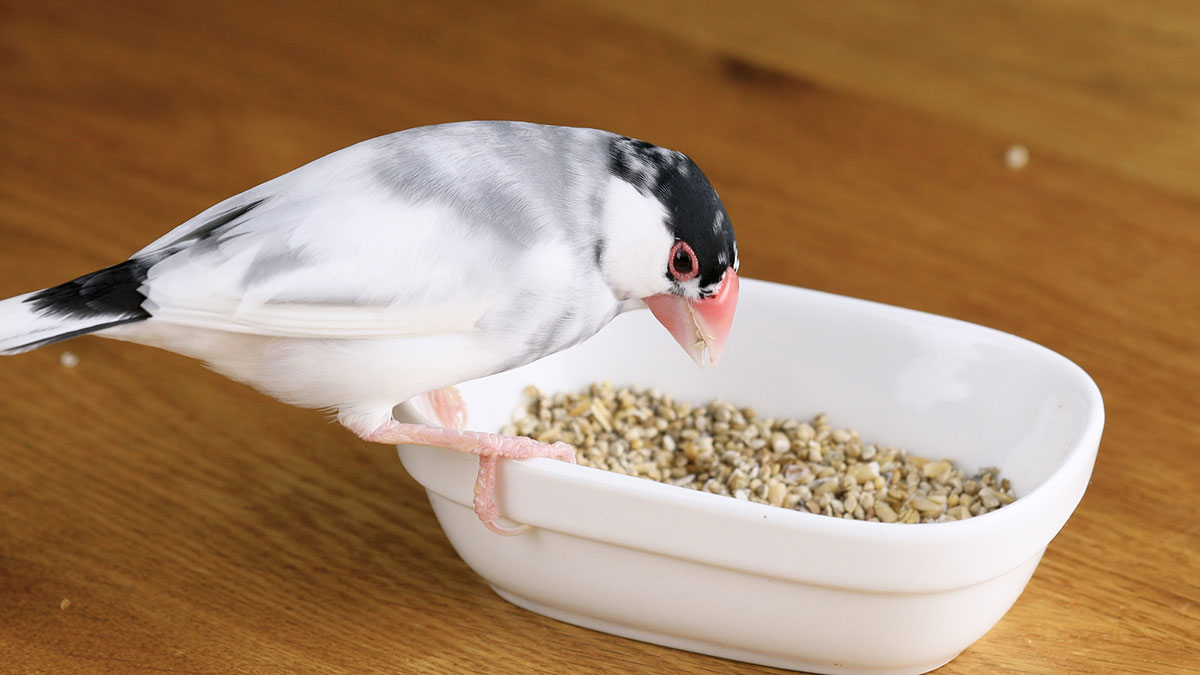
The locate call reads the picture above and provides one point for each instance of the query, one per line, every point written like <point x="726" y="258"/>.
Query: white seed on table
<point x="1016" y="157"/>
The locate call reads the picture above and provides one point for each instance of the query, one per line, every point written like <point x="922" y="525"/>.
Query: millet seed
<point x="719" y="448"/>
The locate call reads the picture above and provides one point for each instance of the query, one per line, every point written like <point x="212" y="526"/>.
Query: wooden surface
<point x="156" y="517"/>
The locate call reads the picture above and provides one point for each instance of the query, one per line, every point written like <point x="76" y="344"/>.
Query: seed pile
<point x="720" y="448"/>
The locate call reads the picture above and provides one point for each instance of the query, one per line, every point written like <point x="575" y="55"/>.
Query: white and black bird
<point x="400" y="266"/>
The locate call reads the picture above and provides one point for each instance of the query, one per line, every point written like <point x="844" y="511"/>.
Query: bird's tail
<point x="93" y="302"/>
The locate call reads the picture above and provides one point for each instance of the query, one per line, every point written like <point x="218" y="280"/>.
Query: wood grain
<point x="196" y="526"/>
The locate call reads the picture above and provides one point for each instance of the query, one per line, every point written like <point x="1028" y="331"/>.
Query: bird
<point x="398" y="267"/>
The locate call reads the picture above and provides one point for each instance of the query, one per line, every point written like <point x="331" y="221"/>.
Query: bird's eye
<point x="683" y="264"/>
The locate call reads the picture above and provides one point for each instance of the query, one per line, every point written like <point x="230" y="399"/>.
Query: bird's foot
<point x="489" y="447"/>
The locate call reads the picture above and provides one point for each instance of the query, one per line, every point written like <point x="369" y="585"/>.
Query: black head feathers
<point x="695" y="214"/>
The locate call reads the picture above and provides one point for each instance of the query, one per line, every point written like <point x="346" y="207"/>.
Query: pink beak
<point x="697" y="324"/>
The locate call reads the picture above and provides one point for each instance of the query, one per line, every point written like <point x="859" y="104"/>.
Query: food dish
<point x="757" y="583"/>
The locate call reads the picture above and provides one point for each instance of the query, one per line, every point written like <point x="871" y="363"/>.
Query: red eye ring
<point x="683" y="272"/>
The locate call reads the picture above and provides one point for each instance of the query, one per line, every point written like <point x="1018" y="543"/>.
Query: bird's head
<point x="674" y="248"/>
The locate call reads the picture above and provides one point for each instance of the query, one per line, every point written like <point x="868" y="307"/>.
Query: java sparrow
<point x="398" y="267"/>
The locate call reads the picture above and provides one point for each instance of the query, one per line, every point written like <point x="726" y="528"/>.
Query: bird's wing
<point x="423" y="231"/>
<point x="326" y="252"/>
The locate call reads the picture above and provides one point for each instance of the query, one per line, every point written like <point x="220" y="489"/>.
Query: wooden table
<point x="156" y="517"/>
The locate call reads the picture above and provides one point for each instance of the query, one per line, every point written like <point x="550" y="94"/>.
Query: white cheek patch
<point x="637" y="242"/>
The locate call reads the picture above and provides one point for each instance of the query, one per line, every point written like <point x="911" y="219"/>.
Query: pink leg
<point x="485" y="499"/>
<point x="444" y="406"/>
<point x="489" y="447"/>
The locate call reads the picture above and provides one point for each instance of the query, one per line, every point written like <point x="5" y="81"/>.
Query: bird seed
<point x="1016" y="157"/>
<point x="720" y="448"/>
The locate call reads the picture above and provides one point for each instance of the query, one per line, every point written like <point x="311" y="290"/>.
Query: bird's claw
<point x="485" y="482"/>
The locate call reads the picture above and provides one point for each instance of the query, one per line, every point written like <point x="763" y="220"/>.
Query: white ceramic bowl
<point x="756" y="583"/>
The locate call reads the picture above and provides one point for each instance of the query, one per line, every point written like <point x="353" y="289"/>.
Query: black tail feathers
<point x="114" y="292"/>
<point x="93" y="302"/>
